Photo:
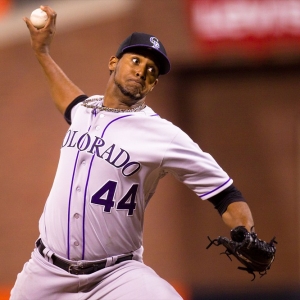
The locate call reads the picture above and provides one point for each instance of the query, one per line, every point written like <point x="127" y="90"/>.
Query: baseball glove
<point x="256" y="255"/>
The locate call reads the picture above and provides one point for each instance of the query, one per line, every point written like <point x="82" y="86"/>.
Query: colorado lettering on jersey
<point x="117" y="157"/>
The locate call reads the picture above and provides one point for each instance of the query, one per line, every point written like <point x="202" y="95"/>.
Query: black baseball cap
<point x="139" y="40"/>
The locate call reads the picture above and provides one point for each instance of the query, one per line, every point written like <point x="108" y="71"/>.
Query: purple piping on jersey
<point x="86" y="186"/>
<point x="70" y="200"/>
<point x="112" y="122"/>
<point x="216" y="188"/>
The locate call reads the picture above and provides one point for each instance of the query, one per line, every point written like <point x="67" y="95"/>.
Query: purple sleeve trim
<point x="203" y="195"/>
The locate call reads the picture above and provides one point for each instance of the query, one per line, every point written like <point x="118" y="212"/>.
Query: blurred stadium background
<point x="234" y="88"/>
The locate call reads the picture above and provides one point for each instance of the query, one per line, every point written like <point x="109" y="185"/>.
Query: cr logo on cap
<point x="155" y="42"/>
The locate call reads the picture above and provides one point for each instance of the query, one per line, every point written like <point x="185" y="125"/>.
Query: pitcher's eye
<point x="135" y="60"/>
<point x="151" y="69"/>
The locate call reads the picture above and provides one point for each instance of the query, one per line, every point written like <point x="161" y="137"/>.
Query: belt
<point x="82" y="267"/>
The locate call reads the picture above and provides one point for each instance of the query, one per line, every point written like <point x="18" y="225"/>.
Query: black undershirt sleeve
<point x="223" y="199"/>
<point x="77" y="100"/>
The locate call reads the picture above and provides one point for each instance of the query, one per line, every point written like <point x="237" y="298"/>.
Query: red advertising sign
<point x="254" y="27"/>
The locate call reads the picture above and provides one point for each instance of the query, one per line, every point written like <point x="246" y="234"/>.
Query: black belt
<point x="79" y="269"/>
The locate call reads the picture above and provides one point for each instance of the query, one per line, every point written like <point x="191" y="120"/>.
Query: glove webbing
<point x="250" y="239"/>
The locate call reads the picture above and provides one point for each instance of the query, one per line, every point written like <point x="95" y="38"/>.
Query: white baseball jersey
<point x="109" y="167"/>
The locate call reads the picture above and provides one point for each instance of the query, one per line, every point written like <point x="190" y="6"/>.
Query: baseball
<point x="38" y="18"/>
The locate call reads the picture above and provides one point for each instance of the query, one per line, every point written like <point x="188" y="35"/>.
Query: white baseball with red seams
<point x="38" y="18"/>
<point x="90" y="216"/>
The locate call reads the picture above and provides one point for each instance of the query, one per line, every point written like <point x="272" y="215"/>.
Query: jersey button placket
<point x="76" y="207"/>
<point x="75" y="250"/>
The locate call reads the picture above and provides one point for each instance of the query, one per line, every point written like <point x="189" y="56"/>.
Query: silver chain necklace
<point x="96" y="102"/>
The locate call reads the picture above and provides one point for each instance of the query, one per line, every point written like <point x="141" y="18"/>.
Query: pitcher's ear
<point x="112" y="63"/>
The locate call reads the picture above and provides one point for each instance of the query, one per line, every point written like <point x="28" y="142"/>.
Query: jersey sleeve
<point x="194" y="167"/>
<point x="68" y="112"/>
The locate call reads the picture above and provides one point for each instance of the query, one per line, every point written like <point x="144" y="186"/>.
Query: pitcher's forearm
<point x="238" y="214"/>
<point x="62" y="89"/>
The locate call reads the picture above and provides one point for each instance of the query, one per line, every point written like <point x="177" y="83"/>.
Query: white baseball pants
<point x="128" y="280"/>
